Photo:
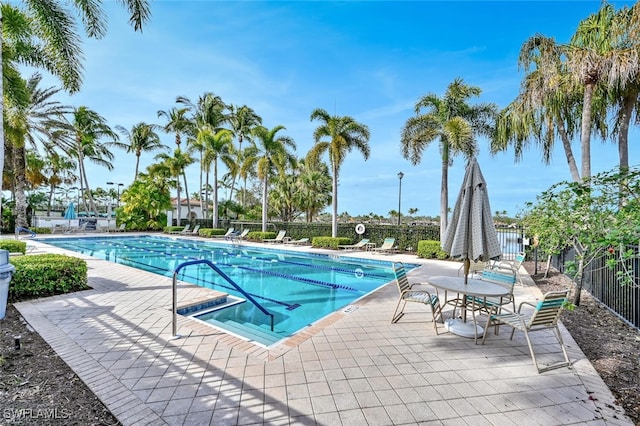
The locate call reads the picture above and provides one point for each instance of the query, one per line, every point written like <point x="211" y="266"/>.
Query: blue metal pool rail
<point x="223" y="275"/>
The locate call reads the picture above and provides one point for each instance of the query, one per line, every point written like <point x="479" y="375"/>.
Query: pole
<point x="400" y="176"/>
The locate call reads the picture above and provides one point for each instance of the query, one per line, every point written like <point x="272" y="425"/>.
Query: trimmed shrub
<point x="41" y="230"/>
<point x="13" y="246"/>
<point x="211" y="232"/>
<point x="429" y="249"/>
<point x="259" y="235"/>
<point x="329" y="242"/>
<point x="46" y="275"/>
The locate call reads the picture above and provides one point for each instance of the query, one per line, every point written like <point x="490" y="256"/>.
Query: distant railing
<point x="602" y="282"/>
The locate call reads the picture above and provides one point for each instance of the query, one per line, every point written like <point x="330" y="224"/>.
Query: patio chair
<point x="475" y="268"/>
<point x="359" y="245"/>
<point x="544" y="316"/>
<point x="505" y="278"/>
<point x="278" y="239"/>
<point x="226" y="235"/>
<point x="238" y="236"/>
<point x="387" y="246"/>
<point x="513" y="265"/>
<point x="409" y="295"/>
<point x="121" y="228"/>
<point x="195" y="230"/>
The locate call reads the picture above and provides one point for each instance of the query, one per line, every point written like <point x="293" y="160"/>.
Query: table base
<point x="464" y="329"/>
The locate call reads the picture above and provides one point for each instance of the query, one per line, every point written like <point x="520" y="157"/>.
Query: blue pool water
<point x="297" y="288"/>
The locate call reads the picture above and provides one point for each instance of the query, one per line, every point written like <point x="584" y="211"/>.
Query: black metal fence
<point x="603" y="283"/>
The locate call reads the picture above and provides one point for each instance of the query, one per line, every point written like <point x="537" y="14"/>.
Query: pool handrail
<point x="223" y="275"/>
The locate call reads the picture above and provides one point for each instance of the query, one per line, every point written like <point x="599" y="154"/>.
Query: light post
<point x="400" y="176"/>
<point x="117" y="192"/>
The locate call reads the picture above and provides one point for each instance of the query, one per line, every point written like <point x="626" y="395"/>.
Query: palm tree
<point x="271" y="154"/>
<point x="59" y="170"/>
<point x="546" y="106"/>
<point x="314" y="189"/>
<point x="43" y="34"/>
<point x="207" y="115"/>
<point x="217" y="146"/>
<point x="242" y="120"/>
<point x="34" y="123"/>
<point x="176" y="165"/>
<point x="591" y="57"/>
<point x="177" y="122"/>
<point x="453" y="122"/>
<point x="141" y="138"/>
<point x="337" y="135"/>
<point x="88" y="128"/>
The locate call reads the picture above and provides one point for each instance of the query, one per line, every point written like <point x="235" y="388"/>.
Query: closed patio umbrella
<point x="471" y="234"/>
<point x="70" y="213"/>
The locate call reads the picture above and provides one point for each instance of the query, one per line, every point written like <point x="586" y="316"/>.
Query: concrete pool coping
<point x="353" y="367"/>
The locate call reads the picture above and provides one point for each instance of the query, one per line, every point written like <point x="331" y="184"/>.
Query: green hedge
<point x="46" y="275"/>
<point x="13" y="246"/>
<point x="211" y="232"/>
<point x="329" y="242"/>
<point x="429" y="249"/>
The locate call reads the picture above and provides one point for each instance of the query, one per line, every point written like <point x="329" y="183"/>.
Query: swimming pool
<point x="297" y="288"/>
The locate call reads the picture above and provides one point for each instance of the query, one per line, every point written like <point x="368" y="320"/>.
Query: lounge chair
<point x="299" y="242"/>
<point x="278" y="239"/>
<point x="121" y="228"/>
<point x="237" y="235"/>
<point x="226" y="234"/>
<point x="544" y="316"/>
<point x="409" y="295"/>
<point x="195" y="230"/>
<point x="387" y="246"/>
<point x="359" y="245"/>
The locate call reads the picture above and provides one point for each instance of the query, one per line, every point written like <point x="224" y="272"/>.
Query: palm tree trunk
<point x="264" y="202"/>
<point x="585" y="136"/>
<point x="629" y="103"/>
<point x="215" y="193"/>
<point x="444" y="195"/>
<point x="566" y="144"/>
<point x="334" y="194"/>
<point x="20" y="185"/>
<point x="186" y="193"/>
<point x="2" y="147"/>
<point x="135" y="176"/>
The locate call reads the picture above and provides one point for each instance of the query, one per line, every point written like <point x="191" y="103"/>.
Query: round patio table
<point x="474" y="287"/>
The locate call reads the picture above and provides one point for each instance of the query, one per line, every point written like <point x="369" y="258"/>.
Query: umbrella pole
<point x="467" y="266"/>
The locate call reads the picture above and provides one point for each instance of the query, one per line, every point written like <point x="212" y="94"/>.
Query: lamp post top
<point x="400" y="175"/>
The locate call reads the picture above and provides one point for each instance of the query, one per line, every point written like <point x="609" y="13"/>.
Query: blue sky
<point x="370" y="60"/>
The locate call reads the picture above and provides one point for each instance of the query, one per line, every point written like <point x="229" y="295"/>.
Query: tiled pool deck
<point x="352" y="368"/>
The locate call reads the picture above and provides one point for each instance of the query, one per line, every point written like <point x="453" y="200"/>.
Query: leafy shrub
<point x="46" y="275"/>
<point x="259" y="235"/>
<point x="13" y="246"/>
<point x="41" y="230"/>
<point x="429" y="249"/>
<point x="330" y="242"/>
<point x="212" y="232"/>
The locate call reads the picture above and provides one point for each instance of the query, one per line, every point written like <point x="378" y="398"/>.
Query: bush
<point x="46" y="275"/>
<point x="212" y="232"/>
<point x="429" y="249"/>
<point x="259" y="235"/>
<point x="329" y="242"/>
<point x="13" y="246"/>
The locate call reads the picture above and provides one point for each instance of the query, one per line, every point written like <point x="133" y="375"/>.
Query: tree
<point x="145" y="202"/>
<point x="313" y="192"/>
<point x="34" y="124"/>
<point x="88" y="129"/>
<point x="141" y="138"/>
<point x="451" y="121"/>
<point x="546" y="107"/>
<point x="271" y="155"/>
<point x="586" y="217"/>
<point x="337" y="135"/>
<point x="217" y="146"/>
<point x="43" y="34"/>
<point x="242" y="120"/>
<point x="175" y="166"/>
